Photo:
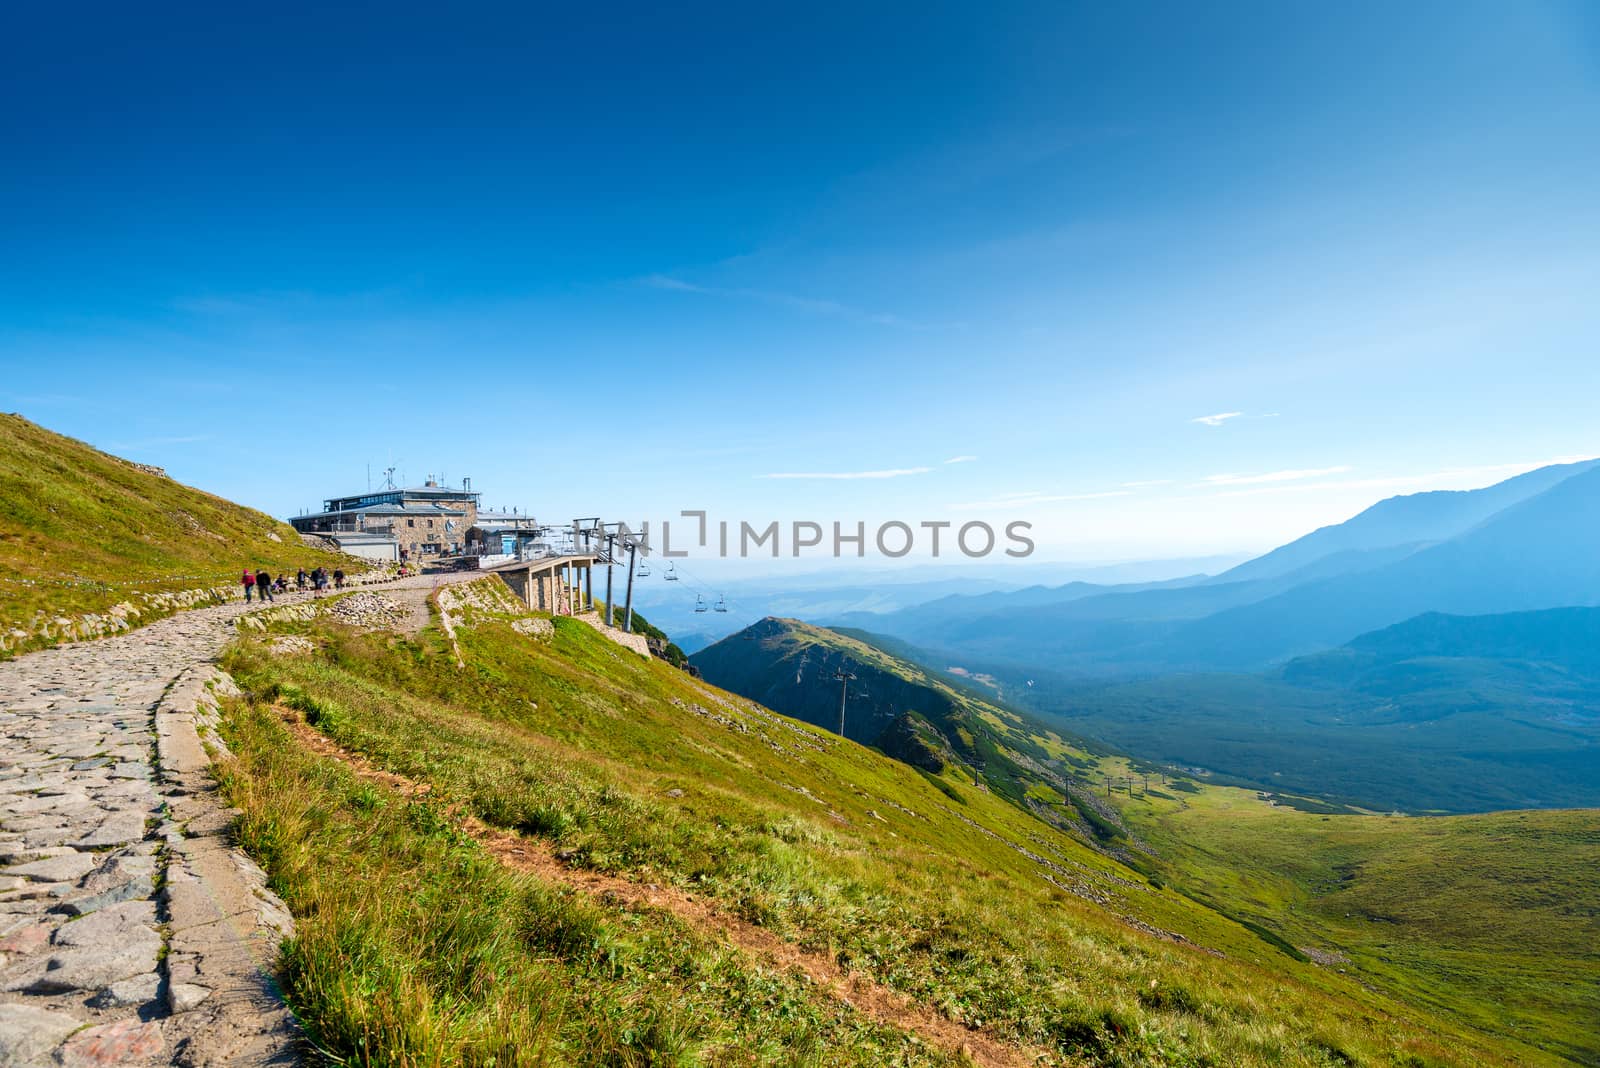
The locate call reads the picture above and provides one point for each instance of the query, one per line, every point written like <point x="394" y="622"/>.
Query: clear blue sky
<point x="632" y="262"/>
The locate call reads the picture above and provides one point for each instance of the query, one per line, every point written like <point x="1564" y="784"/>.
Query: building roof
<point x="448" y="493"/>
<point x="430" y="510"/>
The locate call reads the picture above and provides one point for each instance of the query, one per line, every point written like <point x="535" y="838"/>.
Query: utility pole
<point x="845" y="678"/>
<point x="588" y="570"/>
<point x="611" y="544"/>
<point x="628" y="616"/>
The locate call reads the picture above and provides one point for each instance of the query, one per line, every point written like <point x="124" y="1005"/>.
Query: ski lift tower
<point x="845" y="679"/>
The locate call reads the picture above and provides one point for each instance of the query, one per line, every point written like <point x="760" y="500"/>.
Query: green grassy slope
<point x="931" y="884"/>
<point x="1492" y="918"/>
<point x="81" y="530"/>
<point x="789" y="666"/>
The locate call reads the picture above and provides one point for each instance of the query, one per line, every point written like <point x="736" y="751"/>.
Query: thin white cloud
<point x="961" y="459"/>
<point x="1293" y="475"/>
<point x="1216" y="420"/>
<point x="661" y="281"/>
<point x="897" y="472"/>
<point x="1147" y="483"/>
<point x="809" y="305"/>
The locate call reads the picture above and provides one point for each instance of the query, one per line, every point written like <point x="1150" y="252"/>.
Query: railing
<point x="352" y="528"/>
<point x="523" y="553"/>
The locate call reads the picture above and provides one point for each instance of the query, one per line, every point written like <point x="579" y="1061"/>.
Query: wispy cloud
<point x="896" y="472"/>
<point x="1147" y="483"/>
<point x="1292" y="475"/>
<point x="1033" y="497"/>
<point x="961" y="459"/>
<point x="808" y="305"/>
<point x="1215" y="420"/>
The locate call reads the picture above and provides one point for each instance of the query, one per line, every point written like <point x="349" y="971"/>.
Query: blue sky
<point x="1177" y="279"/>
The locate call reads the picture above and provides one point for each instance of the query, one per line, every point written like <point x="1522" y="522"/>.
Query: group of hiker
<point x="263" y="585"/>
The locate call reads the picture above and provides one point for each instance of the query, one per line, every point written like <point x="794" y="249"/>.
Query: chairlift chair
<point x="671" y="574"/>
<point x="700" y="603"/>
<point x="721" y="605"/>
<point x="643" y="570"/>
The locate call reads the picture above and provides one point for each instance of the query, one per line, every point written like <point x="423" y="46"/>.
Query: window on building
<point x="411" y="522"/>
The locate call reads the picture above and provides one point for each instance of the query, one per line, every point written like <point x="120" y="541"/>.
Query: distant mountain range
<point x="1558" y="646"/>
<point x="1416" y="519"/>
<point x="1439" y="651"/>
<point x="1525" y="543"/>
<point x="869" y="592"/>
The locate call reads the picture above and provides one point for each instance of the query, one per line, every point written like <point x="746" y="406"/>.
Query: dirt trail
<point x="877" y="1002"/>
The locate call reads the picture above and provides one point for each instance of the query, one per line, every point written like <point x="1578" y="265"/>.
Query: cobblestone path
<point x="84" y="831"/>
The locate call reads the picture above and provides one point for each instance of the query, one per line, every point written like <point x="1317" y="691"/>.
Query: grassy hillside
<point x="909" y="713"/>
<point x="1494" y="919"/>
<point x="82" y="530"/>
<point x="422" y="941"/>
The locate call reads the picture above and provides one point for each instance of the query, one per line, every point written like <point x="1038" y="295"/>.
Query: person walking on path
<point x="248" y="582"/>
<point x="264" y="585"/>
<point x="300" y="579"/>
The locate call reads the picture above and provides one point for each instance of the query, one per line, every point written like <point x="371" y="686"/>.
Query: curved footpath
<point x="131" y="932"/>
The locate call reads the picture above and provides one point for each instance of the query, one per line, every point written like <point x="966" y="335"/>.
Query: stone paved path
<point x="83" y="825"/>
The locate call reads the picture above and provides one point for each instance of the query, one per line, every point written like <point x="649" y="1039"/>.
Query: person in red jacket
<point x="249" y="582"/>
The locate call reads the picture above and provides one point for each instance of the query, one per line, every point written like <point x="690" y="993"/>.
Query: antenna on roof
<point x="388" y="478"/>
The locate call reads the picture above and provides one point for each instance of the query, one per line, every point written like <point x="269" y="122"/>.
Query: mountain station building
<point x="391" y="523"/>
